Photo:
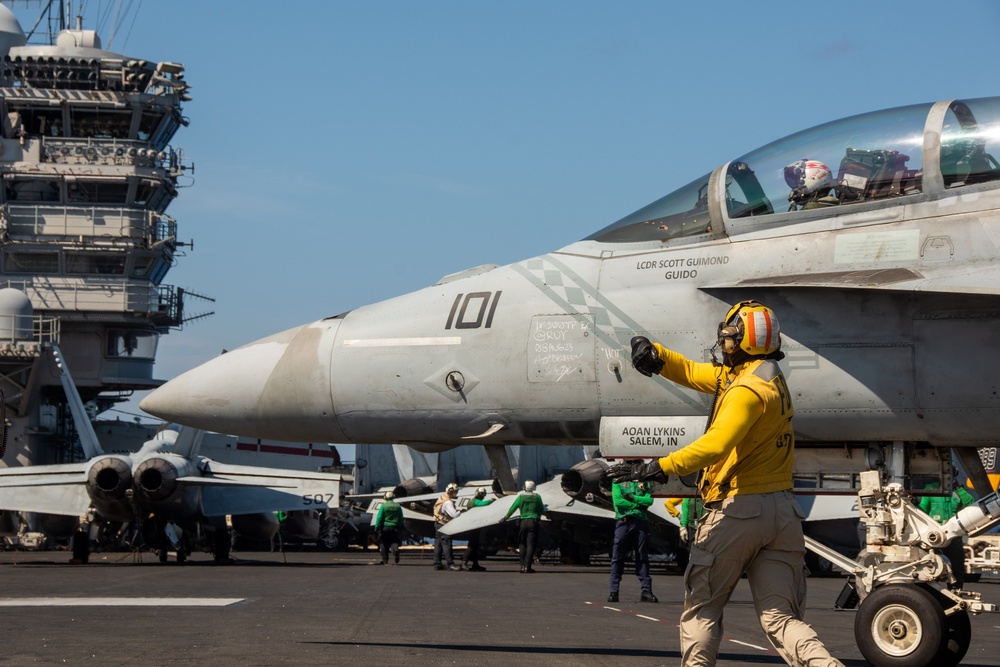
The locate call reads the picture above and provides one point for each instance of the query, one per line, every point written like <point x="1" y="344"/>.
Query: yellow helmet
<point x="753" y="327"/>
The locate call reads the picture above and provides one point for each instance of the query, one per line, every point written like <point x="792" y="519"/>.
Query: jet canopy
<point x="921" y="150"/>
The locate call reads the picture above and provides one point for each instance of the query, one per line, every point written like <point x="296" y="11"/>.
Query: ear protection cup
<point x="729" y="338"/>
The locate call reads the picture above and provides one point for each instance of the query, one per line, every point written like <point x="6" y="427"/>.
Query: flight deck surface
<point x="309" y="608"/>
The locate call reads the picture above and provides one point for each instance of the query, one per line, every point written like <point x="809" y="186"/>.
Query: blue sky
<point x="348" y="152"/>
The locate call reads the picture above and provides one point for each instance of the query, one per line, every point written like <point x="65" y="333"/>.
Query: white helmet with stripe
<point x="751" y="326"/>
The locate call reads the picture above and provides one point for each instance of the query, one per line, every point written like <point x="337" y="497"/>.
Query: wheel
<point x="957" y="635"/>
<point x="331" y="541"/>
<point x="900" y="624"/>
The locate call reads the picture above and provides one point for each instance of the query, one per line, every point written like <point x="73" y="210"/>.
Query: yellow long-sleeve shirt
<point x="750" y="445"/>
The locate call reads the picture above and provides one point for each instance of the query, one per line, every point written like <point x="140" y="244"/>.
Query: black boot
<point x="647" y="596"/>
<point x="613" y="597"/>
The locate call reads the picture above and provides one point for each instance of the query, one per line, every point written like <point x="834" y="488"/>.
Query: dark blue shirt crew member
<point x="632" y="501"/>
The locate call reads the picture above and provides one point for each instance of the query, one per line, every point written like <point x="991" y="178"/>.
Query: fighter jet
<point x="167" y="484"/>
<point x="874" y="238"/>
<point x="164" y="485"/>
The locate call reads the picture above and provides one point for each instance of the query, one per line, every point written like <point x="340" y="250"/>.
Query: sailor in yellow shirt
<point x="753" y="523"/>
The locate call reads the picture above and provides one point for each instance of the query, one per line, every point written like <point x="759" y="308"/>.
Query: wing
<point x="479" y="517"/>
<point x="55" y="489"/>
<point x="234" y="489"/>
<point x="560" y="506"/>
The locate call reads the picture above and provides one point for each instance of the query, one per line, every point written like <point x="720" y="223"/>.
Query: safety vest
<point x="439" y="515"/>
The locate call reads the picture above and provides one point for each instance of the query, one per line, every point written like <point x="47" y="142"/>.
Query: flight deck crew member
<point x="753" y="524"/>
<point x="688" y="516"/>
<point x="531" y="508"/>
<point x="444" y="511"/>
<point x="941" y="509"/>
<point x="471" y="561"/>
<point x="631" y="501"/>
<point x="388" y="521"/>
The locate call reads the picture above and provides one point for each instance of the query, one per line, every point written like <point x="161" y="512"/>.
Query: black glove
<point x="637" y="471"/>
<point x="644" y="357"/>
<point x="628" y="496"/>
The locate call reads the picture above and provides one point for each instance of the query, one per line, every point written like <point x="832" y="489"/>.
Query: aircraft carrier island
<point x="88" y="174"/>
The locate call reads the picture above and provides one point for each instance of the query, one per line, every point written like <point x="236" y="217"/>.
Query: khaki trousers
<point x="760" y="535"/>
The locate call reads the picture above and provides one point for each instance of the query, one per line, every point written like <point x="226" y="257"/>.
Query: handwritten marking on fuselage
<point x="560" y="348"/>
<point x="683" y="267"/>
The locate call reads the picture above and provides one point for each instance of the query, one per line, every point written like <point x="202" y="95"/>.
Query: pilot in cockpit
<point x="811" y="182"/>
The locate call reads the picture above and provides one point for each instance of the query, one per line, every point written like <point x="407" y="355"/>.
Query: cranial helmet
<point x="805" y="177"/>
<point x="389" y="495"/>
<point x="452" y="488"/>
<point x="529" y="486"/>
<point x="751" y="326"/>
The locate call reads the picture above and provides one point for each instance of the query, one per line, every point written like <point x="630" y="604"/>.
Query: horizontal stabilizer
<point x="56" y="489"/>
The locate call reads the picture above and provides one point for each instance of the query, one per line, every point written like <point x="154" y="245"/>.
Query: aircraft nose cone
<point x="276" y="385"/>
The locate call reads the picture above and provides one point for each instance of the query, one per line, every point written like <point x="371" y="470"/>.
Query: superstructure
<point x="85" y="242"/>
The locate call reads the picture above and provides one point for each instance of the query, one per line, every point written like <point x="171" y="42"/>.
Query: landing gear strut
<point x="911" y="614"/>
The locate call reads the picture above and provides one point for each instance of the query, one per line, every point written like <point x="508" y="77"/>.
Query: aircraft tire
<point x="957" y="635"/>
<point x="901" y="625"/>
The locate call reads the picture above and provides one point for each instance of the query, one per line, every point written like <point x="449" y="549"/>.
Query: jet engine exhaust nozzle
<point x="585" y="481"/>
<point x="156" y="479"/>
<point x="109" y="478"/>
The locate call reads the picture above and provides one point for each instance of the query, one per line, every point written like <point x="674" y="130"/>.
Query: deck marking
<point x="675" y="625"/>
<point x="119" y="602"/>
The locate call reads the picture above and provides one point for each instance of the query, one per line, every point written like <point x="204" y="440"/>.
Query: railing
<point x="22" y="336"/>
<point x="159" y="303"/>
<point x="95" y="221"/>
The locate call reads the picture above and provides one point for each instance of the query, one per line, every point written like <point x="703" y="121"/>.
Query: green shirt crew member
<point x="632" y="500"/>
<point x="471" y="560"/>
<point x="388" y="521"/>
<point x="531" y="508"/>
<point x="942" y="508"/>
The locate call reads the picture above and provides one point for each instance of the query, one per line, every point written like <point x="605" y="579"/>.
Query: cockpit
<point x="852" y="162"/>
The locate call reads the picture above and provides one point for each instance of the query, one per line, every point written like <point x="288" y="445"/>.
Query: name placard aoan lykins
<point x="648" y="436"/>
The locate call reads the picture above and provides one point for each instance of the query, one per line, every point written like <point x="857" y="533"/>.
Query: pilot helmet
<point x="452" y="489"/>
<point x="389" y="495"/>
<point x="752" y="327"/>
<point x="529" y="486"/>
<point x="806" y="177"/>
<point x="480" y="493"/>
